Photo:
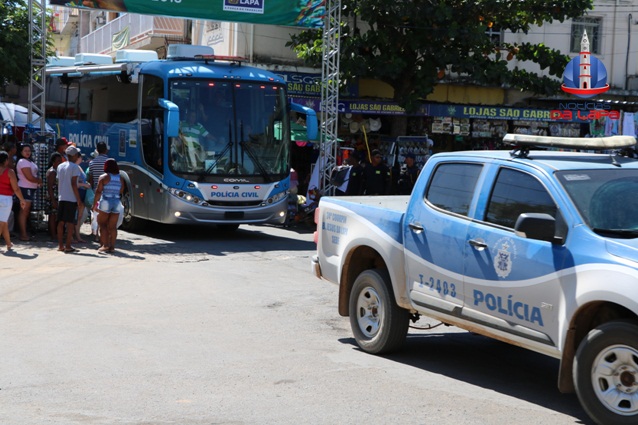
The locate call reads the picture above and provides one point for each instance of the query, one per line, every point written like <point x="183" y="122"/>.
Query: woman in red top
<point x="8" y="187"/>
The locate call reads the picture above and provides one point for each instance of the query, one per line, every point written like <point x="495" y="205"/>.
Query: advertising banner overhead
<point x="300" y="13"/>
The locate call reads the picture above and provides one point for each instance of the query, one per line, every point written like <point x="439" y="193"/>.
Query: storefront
<point x="488" y="125"/>
<point x="366" y="123"/>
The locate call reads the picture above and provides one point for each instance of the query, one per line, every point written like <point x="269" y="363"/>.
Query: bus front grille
<point x="234" y="203"/>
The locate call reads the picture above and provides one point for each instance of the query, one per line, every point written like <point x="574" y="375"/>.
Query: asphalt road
<point x="186" y="326"/>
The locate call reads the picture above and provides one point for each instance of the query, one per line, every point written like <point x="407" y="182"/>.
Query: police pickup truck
<point x="535" y="247"/>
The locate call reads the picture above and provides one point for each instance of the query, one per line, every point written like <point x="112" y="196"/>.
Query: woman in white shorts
<point x="8" y="187"/>
<point x="107" y="203"/>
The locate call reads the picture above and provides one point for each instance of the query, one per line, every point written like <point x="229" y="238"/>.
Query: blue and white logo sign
<point x="246" y="6"/>
<point x="585" y="76"/>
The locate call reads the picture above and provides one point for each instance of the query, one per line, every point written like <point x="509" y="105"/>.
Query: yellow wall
<point x="375" y="88"/>
<point x="444" y="93"/>
<point x="447" y="93"/>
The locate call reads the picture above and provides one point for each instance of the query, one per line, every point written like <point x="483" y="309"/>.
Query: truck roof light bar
<point x="583" y="143"/>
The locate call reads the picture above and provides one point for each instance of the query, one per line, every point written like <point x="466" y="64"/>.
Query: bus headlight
<point x="276" y="198"/>
<point x="185" y="196"/>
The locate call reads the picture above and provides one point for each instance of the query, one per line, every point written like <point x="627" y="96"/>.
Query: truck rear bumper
<point x="316" y="267"/>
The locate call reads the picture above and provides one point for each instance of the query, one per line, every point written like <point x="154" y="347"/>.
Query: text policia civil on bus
<point x="200" y="139"/>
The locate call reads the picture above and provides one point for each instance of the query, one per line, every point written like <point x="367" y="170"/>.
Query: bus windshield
<point x="227" y="128"/>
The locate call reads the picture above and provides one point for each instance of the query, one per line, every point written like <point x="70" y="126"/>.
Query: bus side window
<point x="152" y="122"/>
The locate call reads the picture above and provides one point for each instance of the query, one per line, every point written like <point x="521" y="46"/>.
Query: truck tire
<point x="379" y="325"/>
<point x="606" y="373"/>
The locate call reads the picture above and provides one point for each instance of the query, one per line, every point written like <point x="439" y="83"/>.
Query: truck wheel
<point x="130" y="223"/>
<point x="379" y="325"/>
<point x="606" y="373"/>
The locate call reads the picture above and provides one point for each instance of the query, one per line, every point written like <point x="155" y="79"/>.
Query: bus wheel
<point x="130" y="223"/>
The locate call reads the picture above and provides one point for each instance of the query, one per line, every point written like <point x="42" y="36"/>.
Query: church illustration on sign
<point x="585" y="76"/>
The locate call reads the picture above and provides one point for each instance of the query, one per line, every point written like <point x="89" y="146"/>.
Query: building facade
<point x="454" y="115"/>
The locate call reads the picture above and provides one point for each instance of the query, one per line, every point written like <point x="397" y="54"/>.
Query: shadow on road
<point x="166" y="239"/>
<point x="488" y="363"/>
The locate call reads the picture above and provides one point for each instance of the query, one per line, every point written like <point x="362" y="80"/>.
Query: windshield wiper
<point x="223" y="152"/>
<point x="251" y="154"/>
<point x="253" y="157"/>
<point x="623" y="233"/>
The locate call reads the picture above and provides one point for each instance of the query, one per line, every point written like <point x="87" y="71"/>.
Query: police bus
<point x="200" y="139"/>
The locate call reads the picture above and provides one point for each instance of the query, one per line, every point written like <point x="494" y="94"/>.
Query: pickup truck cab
<point x="537" y="248"/>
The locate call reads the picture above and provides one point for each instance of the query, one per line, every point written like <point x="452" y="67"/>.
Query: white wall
<point x="615" y="35"/>
<point x="248" y="40"/>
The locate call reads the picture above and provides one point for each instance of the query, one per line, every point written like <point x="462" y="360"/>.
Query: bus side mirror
<point x="171" y="117"/>
<point x="312" y="127"/>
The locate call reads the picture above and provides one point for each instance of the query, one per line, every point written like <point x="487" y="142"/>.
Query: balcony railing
<point x="143" y="30"/>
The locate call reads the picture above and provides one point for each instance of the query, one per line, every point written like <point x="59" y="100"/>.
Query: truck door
<point x="512" y="282"/>
<point x="435" y="231"/>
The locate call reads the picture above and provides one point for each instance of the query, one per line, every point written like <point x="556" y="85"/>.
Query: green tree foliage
<point x="14" y="42"/>
<point x="411" y="45"/>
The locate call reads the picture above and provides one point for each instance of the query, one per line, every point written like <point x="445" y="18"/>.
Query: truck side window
<point x="515" y="193"/>
<point x="452" y="186"/>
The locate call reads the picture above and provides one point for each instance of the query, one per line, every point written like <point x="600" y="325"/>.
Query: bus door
<point x="152" y="131"/>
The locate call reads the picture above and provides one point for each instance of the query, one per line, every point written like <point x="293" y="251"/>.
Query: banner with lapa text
<point x="300" y="13"/>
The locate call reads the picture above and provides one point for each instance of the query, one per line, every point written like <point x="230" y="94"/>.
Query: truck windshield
<point x="606" y="199"/>
<point x="230" y="129"/>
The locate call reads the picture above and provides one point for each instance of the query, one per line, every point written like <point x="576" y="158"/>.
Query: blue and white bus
<point x="200" y="139"/>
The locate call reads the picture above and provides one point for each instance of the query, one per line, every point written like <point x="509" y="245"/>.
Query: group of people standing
<point x="372" y="178"/>
<point x="67" y="193"/>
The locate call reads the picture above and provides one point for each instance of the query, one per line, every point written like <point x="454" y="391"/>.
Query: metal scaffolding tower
<point x="38" y="46"/>
<point x="329" y="95"/>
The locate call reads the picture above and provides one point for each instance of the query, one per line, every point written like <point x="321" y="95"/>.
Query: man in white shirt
<point x="68" y="198"/>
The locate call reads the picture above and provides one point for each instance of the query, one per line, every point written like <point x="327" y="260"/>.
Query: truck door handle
<point x="478" y="244"/>
<point x="416" y="227"/>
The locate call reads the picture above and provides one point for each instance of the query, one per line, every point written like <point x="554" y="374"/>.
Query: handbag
<point x="89" y="198"/>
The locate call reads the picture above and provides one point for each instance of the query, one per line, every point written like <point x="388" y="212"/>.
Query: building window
<point x="495" y="35"/>
<point x="594" y="32"/>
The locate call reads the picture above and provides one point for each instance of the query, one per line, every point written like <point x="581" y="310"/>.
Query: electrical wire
<point x="429" y="327"/>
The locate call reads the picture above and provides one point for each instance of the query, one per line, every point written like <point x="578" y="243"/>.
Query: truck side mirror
<point x="171" y="117"/>
<point x="538" y="226"/>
